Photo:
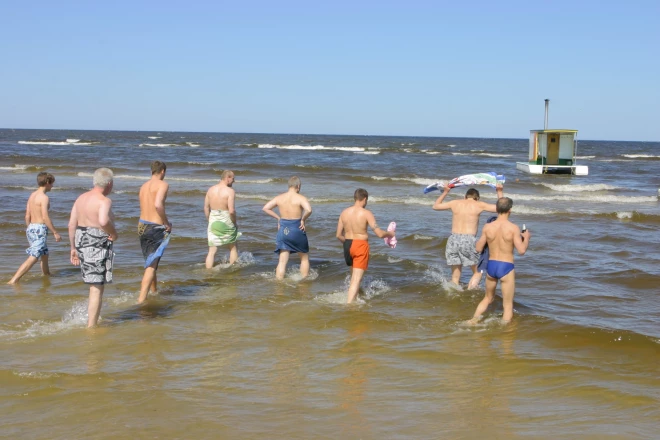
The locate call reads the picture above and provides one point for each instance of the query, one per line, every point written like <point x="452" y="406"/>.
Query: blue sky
<point x="474" y="69"/>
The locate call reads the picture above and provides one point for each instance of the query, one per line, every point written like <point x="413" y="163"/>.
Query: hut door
<point x="553" y="149"/>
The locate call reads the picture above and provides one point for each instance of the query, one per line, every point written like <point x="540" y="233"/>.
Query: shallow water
<point x="231" y="353"/>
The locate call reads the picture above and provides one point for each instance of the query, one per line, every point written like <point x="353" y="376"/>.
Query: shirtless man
<point x="460" y="250"/>
<point x="352" y="232"/>
<point x="153" y="228"/>
<point x="291" y="237"/>
<point x="91" y="235"/>
<point x="501" y="236"/>
<point x="38" y="223"/>
<point x="221" y="213"/>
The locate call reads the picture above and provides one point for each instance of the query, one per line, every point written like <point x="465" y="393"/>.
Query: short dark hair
<point x="158" y="166"/>
<point x="360" y="194"/>
<point x="472" y="193"/>
<point x="44" y="178"/>
<point x="504" y="205"/>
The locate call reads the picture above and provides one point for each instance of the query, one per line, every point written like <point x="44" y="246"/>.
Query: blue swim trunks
<point x="36" y="235"/>
<point x="498" y="269"/>
<point x="291" y="238"/>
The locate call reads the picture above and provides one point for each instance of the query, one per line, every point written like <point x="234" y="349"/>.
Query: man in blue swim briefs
<point x="501" y="236"/>
<point x="291" y="238"/>
<point x="460" y="250"/>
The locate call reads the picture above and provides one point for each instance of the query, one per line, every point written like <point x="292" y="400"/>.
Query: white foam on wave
<point x="415" y="180"/>
<point x="586" y="197"/>
<point x="258" y="181"/>
<point x="585" y="157"/>
<point x="402" y="200"/>
<point x="15" y="168"/>
<point x="522" y="209"/>
<point x="55" y="142"/>
<point x="158" y="145"/>
<point x="131" y="177"/>
<point x="482" y="154"/>
<point x="35" y="375"/>
<point x="155" y="137"/>
<point x="192" y="144"/>
<point x="578" y="188"/>
<point x="624" y="215"/>
<point x="422" y="237"/>
<point x="640" y="156"/>
<point x="361" y="150"/>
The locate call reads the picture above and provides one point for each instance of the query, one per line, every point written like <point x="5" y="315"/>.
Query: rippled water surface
<point x="231" y="353"/>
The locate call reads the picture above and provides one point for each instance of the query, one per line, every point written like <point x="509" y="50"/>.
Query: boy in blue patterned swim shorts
<point x="38" y="223"/>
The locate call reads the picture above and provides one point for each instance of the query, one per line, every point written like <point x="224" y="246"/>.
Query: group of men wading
<point x="92" y="233"/>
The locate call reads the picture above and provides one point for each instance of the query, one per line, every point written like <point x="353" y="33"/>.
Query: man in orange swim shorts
<point x="352" y="232"/>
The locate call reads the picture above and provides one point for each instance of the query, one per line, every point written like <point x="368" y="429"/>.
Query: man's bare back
<point x="291" y="205"/>
<point x="500" y="236"/>
<point x="355" y="220"/>
<point x="465" y="212"/>
<point x="93" y="210"/>
<point x="152" y="199"/>
<point x="37" y="202"/>
<point x="218" y="197"/>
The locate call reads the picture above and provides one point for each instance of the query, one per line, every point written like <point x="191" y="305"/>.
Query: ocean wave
<point x="415" y="180"/>
<point x="482" y="154"/>
<point x="579" y="188"/>
<point x="171" y="178"/>
<point x="585" y="157"/>
<point x="591" y="198"/>
<point x="641" y="156"/>
<point x="15" y="167"/>
<point x="361" y="150"/>
<point x="159" y="145"/>
<point x="634" y="216"/>
<point x="46" y="142"/>
<point x="155" y="137"/>
<point x="422" y="237"/>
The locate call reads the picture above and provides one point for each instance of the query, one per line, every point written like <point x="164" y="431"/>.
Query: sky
<point x="414" y="68"/>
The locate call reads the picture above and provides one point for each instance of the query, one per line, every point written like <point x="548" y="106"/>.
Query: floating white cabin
<point x="552" y="151"/>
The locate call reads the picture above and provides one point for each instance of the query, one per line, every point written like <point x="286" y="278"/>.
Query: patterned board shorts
<point x="461" y="250"/>
<point x="95" y="253"/>
<point x="37" y="233"/>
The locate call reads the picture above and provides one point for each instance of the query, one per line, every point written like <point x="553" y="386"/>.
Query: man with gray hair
<point x="91" y="235"/>
<point x="291" y="237"/>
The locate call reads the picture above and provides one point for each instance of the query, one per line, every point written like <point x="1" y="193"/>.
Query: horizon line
<point x="308" y="134"/>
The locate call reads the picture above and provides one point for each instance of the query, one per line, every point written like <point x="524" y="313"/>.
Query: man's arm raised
<point x="491" y="207"/>
<point x="439" y="205"/>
